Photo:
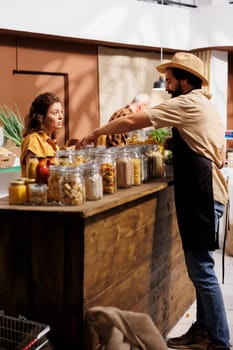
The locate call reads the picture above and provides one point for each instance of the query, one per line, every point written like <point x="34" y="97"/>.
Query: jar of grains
<point x="124" y="168"/>
<point x="71" y="186"/>
<point x="93" y="181"/>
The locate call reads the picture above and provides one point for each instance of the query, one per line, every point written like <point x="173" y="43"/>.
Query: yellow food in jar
<point x="17" y="192"/>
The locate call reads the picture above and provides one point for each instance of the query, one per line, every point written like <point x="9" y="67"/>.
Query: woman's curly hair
<point x="34" y="121"/>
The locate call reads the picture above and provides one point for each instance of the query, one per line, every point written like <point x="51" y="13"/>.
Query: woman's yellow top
<point x="39" y="144"/>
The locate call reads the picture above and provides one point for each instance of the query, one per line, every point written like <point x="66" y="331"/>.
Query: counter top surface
<point x="90" y="208"/>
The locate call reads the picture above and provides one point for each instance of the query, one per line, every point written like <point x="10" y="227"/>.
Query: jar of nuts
<point x="53" y="183"/>
<point x="71" y="186"/>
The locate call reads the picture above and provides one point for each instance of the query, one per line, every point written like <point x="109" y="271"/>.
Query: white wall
<point x="123" y="21"/>
<point x="219" y="79"/>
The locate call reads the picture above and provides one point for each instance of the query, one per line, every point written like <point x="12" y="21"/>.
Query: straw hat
<point x="186" y="61"/>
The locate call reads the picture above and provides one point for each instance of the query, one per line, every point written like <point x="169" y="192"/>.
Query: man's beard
<point x="177" y="92"/>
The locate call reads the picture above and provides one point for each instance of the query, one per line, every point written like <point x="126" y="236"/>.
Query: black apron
<point x="193" y="197"/>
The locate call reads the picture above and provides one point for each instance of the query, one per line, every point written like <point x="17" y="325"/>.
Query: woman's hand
<point x="92" y="138"/>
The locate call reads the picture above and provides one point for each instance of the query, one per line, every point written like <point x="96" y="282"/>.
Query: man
<point x="138" y="103"/>
<point x="200" y="188"/>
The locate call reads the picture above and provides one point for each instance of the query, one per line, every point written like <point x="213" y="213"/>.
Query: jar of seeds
<point x="124" y="169"/>
<point x="93" y="181"/>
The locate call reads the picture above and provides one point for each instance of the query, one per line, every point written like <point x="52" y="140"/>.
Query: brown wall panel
<point x="19" y="55"/>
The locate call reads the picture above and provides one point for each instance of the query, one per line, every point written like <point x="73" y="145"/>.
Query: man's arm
<point x="125" y="124"/>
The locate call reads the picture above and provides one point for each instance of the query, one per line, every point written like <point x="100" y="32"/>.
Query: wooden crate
<point x="7" y="160"/>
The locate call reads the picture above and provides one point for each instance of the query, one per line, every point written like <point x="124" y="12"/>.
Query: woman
<point x="45" y="118"/>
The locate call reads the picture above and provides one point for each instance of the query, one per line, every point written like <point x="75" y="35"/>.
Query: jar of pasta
<point x="107" y="163"/>
<point x="79" y="156"/>
<point x="136" y="137"/>
<point x="137" y="166"/>
<point x="93" y="181"/>
<point x="65" y="157"/>
<point x="71" y="186"/>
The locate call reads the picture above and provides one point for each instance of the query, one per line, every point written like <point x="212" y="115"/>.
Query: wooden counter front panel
<point x="134" y="260"/>
<point x="117" y="242"/>
<point x="55" y="264"/>
<point x="41" y="271"/>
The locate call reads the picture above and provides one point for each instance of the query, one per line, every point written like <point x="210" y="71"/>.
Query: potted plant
<point x="12" y="124"/>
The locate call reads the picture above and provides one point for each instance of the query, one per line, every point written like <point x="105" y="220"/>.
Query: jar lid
<point x="17" y="182"/>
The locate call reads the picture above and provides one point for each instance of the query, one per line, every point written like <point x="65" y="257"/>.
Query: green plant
<point x="12" y="124"/>
<point x="161" y="134"/>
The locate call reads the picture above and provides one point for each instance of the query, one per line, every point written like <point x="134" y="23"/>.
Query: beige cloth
<point x="124" y="330"/>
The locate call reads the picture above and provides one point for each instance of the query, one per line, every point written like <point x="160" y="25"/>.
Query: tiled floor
<point x="227" y="288"/>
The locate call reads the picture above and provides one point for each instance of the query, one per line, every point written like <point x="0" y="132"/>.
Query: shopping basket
<point x="22" y="334"/>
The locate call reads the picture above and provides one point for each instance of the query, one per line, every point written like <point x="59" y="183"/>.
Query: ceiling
<point x="188" y="3"/>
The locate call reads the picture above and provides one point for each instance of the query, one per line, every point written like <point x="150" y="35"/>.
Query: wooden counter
<point x="123" y="250"/>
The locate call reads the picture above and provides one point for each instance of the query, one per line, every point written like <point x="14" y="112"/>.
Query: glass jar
<point x="136" y="137"/>
<point x="79" y="156"/>
<point x="65" y="157"/>
<point x="53" y="183"/>
<point x="27" y="182"/>
<point x="42" y="170"/>
<point x="71" y="186"/>
<point x="137" y="167"/>
<point x="124" y="169"/>
<point x="144" y="163"/>
<point x="31" y="167"/>
<point x="107" y="163"/>
<point x="17" y="192"/>
<point x="37" y="193"/>
<point x="93" y="181"/>
<point x="155" y="161"/>
<point x="51" y="160"/>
